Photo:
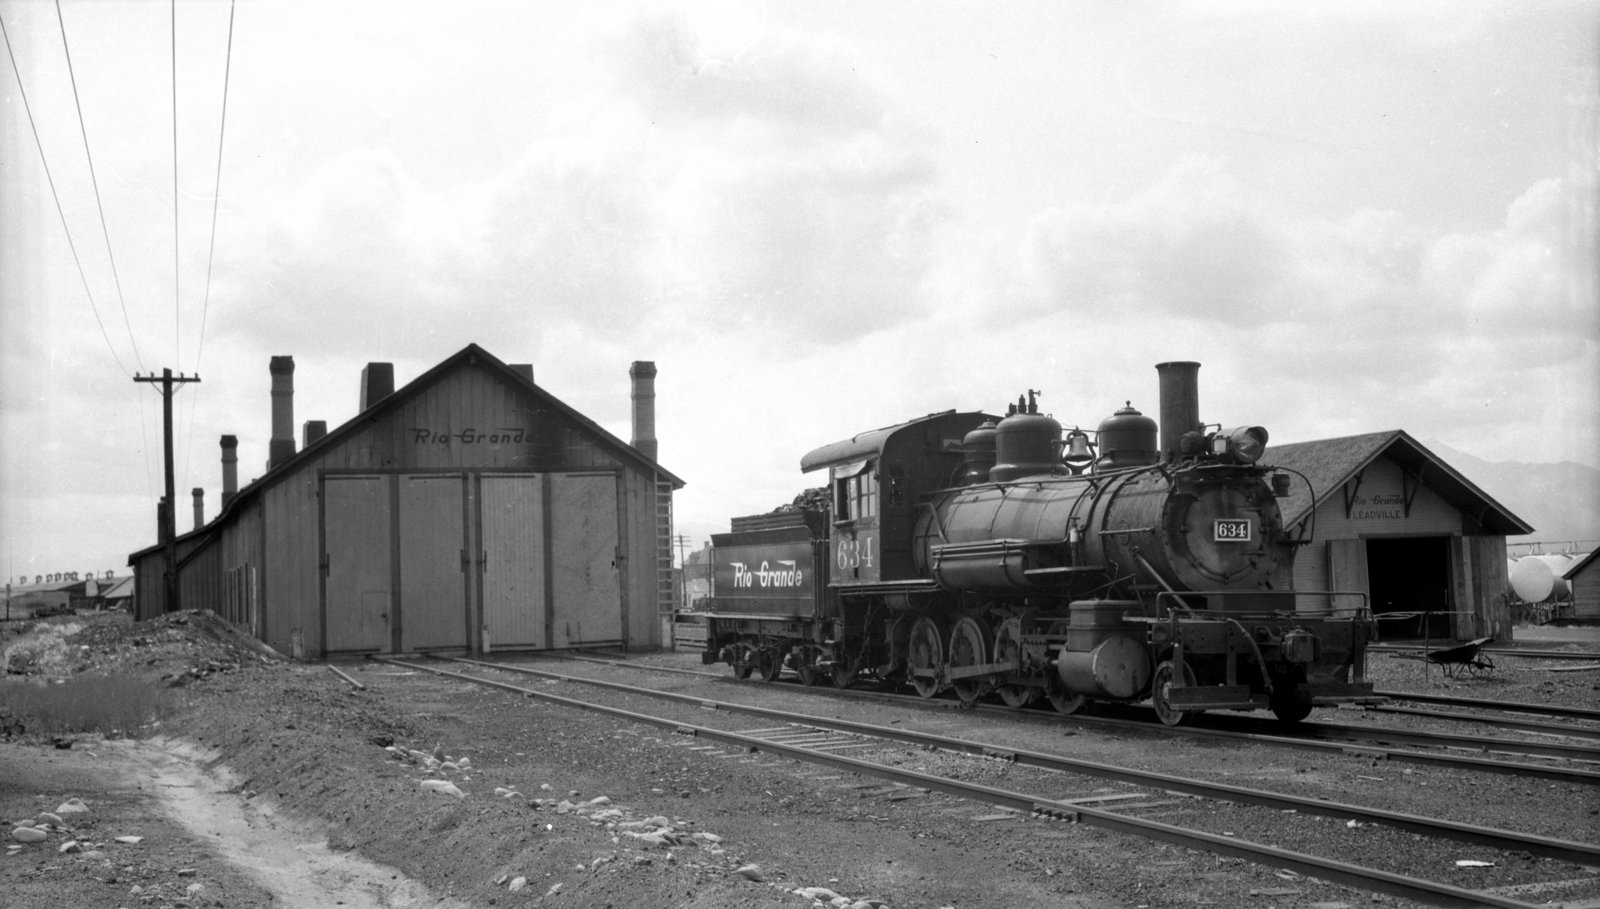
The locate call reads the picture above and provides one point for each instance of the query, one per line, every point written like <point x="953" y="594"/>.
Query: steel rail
<point x="1376" y="880"/>
<point x="1509" y="706"/>
<point x="1496" y="651"/>
<point x="1367" y="740"/>
<point x="1507" y="722"/>
<point x="1564" y="850"/>
<point x="1324" y="731"/>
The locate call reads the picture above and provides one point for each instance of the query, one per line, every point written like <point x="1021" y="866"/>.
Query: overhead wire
<point x="104" y="229"/>
<point x="211" y="250"/>
<point x="177" y="272"/>
<point x="60" y="212"/>
<point x="71" y="245"/>
<point x="216" y="191"/>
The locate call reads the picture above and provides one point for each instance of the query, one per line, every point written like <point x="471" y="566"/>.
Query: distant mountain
<point x="1561" y="500"/>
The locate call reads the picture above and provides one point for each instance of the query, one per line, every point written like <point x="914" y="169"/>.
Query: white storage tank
<point x="1537" y="578"/>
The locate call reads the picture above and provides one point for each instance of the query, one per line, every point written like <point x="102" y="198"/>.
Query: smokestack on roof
<point x="199" y="507"/>
<point x="643" y="374"/>
<point x="1180" y="404"/>
<point x="524" y="370"/>
<point x="312" y="431"/>
<point x="230" y="468"/>
<point x="281" y="448"/>
<point x="377" y="383"/>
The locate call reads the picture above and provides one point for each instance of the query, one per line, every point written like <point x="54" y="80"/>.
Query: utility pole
<point x="169" y="523"/>
<point x="683" y="572"/>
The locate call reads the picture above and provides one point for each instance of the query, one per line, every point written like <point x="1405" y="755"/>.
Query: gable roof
<point x="1328" y="464"/>
<point x="1580" y="565"/>
<point x="471" y="355"/>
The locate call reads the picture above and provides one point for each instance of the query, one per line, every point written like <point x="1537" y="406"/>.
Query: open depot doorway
<point x="1410" y="584"/>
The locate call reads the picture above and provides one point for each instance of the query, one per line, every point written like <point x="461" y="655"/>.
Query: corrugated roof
<point x="1330" y="463"/>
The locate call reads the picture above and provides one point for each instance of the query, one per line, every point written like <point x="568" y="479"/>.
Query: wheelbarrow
<point x="1464" y="659"/>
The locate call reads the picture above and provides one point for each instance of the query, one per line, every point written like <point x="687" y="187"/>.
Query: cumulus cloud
<point x="680" y="190"/>
<point x="1192" y="245"/>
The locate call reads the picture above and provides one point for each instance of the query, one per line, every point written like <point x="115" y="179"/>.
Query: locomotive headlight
<point x="1239" y="445"/>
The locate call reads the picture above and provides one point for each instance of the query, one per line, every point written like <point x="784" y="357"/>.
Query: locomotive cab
<point x="875" y="482"/>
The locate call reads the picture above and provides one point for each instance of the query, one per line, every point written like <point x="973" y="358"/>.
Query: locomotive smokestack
<point x="1180" y="404"/>
<point x="643" y="374"/>
<point x="281" y="447"/>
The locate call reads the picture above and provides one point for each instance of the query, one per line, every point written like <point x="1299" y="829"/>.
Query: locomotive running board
<point x="1214" y="697"/>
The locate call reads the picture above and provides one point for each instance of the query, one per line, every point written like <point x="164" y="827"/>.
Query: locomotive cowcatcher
<point x="979" y="554"/>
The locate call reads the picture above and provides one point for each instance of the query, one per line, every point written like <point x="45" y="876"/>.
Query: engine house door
<point x="357" y="591"/>
<point x="586" y="583"/>
<point x="513" y="561"/>
<point x="433" y="563"/>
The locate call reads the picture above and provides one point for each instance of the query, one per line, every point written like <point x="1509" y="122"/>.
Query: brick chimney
<point x="230" y="468"/>
<point x="312" y="431"/>
<point x="377" y="383"/>
<point x="281" y="448"/>
<point x="199" y="507"/>
<point x="643" y="374"/>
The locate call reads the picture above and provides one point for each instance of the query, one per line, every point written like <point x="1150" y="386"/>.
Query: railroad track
<point x="829" y="742"/>
<point x="1459" y="751"/>
<point x="1418" y="649"/>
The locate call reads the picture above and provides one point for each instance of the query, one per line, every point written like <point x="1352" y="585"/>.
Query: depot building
<point x="1385" y="521"/>
<point x="468" y="511"/>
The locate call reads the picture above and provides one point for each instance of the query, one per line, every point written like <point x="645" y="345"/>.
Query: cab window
<point x="855" y="492"/>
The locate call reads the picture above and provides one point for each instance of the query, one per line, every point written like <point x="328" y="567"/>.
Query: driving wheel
<point x="970" y="645"/>
<point x="925" y="660"/>
<point x="1008" y="650"/>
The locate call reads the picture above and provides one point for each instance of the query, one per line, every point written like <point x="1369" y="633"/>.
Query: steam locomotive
<point x="977" y="554"/>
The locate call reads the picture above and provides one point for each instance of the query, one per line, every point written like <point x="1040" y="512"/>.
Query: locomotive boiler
<point x="974" y="553"/>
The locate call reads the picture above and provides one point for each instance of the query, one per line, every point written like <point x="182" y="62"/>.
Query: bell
<point x="1079" y="450"/>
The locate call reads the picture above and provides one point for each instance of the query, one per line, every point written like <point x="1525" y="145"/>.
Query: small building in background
<point x="468" y="511"/>
<point x="697" y="576"/>
<point x="1583" y="578"/>
<point x="66" y="594"/>
<point x="1384" y="517"/>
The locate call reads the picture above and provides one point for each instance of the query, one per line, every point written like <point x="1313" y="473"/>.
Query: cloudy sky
<point x="816" y="217"/>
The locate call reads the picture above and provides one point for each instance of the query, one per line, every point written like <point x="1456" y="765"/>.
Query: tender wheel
<point x="805" y="666"/>
<point x="844" y="674"/>
<point x="1290" y="703"/>
<point x="1007" y="649"/>
<point x="809" y="676"/>
<point x="770" y="663"/>
<point x="1160" y="685"/>
<point x="926" y="654"/>
<point x="970" y="645"/>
